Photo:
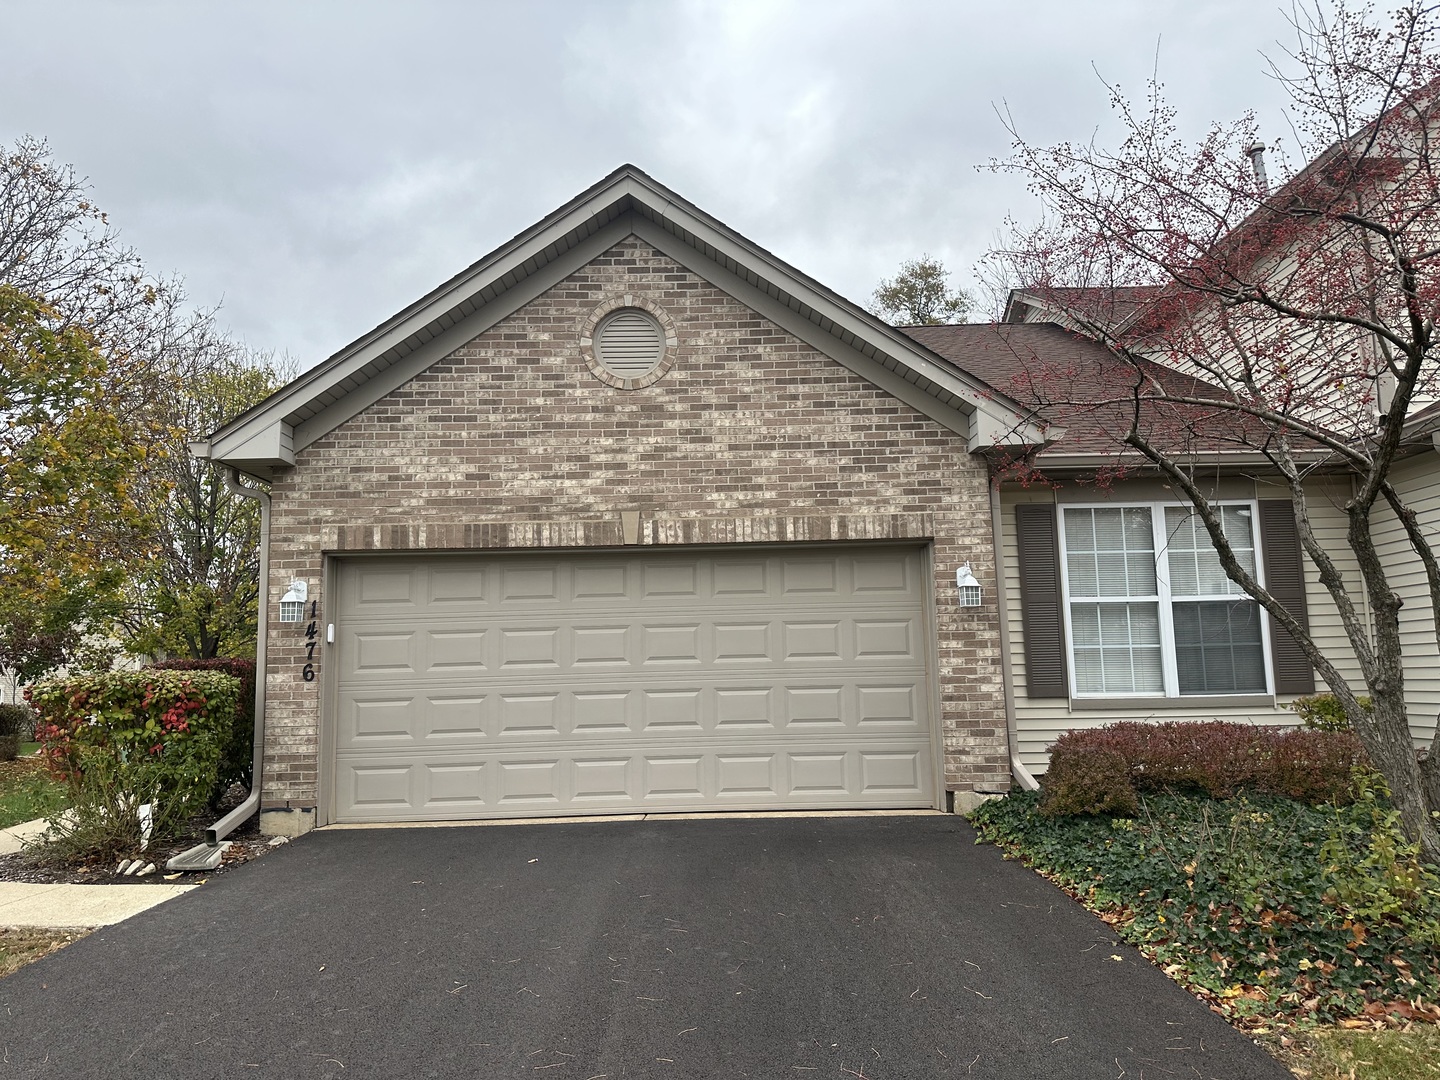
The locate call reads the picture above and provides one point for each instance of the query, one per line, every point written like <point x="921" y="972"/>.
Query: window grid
<point x="1178" y="525"/>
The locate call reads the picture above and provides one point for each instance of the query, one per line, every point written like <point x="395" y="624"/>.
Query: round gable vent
<point x="629" y="343"/>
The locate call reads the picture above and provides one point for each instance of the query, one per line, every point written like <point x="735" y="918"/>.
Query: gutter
<point x="242" y="813"/>
<point x="1022" y="775"/>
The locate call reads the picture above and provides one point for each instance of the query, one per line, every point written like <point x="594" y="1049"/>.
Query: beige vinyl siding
<point x="1040" y="722"/>
<point x="1418" y="482"/>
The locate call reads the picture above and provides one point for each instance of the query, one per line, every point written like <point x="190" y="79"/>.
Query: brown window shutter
<point x="1038" y="542"/>
<point x="1285" y="578"/>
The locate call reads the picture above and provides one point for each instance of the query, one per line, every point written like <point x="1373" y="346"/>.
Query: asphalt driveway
<point x="875" y="947"/>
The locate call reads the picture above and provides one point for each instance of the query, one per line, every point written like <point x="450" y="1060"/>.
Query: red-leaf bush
<point x="1105" y="770"/>
<point x="127" y="738"/>
<point x="238" y="762"/>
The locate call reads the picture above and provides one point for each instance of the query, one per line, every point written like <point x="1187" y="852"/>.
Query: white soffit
<point x="266" y="438"/>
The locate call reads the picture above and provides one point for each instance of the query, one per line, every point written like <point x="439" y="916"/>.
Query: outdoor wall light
<point x="292" y="604"/>
<point x="967" y="585"/>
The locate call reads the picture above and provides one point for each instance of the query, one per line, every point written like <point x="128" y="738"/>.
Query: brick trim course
<point x="751" y="437"/>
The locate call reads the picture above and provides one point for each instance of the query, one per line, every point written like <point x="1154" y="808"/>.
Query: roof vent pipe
<point x="1256" y="153"/>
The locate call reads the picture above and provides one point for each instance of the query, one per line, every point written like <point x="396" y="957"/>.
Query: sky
<point x="313" y="166"/>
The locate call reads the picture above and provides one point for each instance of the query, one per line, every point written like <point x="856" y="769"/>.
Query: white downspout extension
<point x="237" y="817"/>
<point x="1022" y="775"/>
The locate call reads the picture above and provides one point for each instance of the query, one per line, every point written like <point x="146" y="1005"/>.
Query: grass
<point x="27" y="748"/>
<point x="27" y="792"/>
<point x="1335" y="1054"/>
<point x="24" y="944"/>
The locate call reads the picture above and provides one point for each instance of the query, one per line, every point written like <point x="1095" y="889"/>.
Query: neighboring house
<point x="1117" y="608"/>
<point x="628" y="516"/>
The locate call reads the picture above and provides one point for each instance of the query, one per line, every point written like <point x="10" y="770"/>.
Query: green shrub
<point x="126" y="738"/>
<point x="1323" y="712"/>
<point x="17" y="722"/>
<point x="1104" y="770"/>
<point x="238" y="762"/>
<point x="1263" y="905"/>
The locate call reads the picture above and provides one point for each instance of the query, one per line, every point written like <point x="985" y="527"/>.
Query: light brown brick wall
<point x="752" y="437"/>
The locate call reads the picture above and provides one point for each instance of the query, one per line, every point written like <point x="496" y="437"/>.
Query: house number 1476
<point x="312" y="638"/>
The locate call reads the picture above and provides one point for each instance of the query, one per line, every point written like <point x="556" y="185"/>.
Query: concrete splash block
<point x="199" y="857"/>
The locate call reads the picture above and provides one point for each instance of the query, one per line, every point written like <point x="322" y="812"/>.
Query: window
<point x="1149" y="609"/>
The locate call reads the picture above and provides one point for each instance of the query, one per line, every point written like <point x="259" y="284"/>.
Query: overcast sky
<point x="315" y="166"/>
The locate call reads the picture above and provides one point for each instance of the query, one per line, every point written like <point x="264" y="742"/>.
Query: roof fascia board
<point x="1089" y="462"/>
<point x="787" y="318"/>
<point x="395" y="332"/>
<point x="905" y="350"/>
<point x="472" y="326"/>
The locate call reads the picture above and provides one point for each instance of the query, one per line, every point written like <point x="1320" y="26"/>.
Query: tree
<point x="1307" y="309"/>
<point x="67" y="462"/>
<point x="920" y="295"/>
<point x="123" y="386"/>
<point x="198" y="597"/>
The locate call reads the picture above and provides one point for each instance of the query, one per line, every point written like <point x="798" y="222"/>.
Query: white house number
<point x="312" y="638"/>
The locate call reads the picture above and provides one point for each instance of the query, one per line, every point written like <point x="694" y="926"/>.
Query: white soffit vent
<point x="629" y="343"/>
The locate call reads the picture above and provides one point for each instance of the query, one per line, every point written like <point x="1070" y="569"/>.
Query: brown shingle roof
<point x="1076" y="383"/>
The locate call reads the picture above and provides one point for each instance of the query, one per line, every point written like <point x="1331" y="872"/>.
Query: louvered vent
<point x="629" y="344"/>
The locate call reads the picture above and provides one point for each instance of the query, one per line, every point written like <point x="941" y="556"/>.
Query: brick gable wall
<point x="753" y="436"/>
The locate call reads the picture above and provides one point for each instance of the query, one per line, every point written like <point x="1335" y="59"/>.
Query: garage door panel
<point x="479" y="687"/>
<point x="669" y="580"/>
<point x="598" y="713"/>
<point x="602" y="581"/>
<point x="738" y="578"/>
<point x="890" y="771"/>
<point x="644" y="779"/>
<point x="671" y="710"/>
<point x="601" y="646"/>
<point x="463" y="716"/>
<point x="461" y="585"/>
<point x="455" y="651"/>
<point x="743" y="708"/>
<point x="529" y="585"/>
<point x="884" y="638"/>
<point x="377" y="653"/>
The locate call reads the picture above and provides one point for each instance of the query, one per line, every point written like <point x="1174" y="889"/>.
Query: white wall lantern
<point x="968" y="587"/>
<point x="292" y="604"/>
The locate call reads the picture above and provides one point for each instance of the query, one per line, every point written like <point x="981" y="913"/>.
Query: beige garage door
<point x="601" y="683"/>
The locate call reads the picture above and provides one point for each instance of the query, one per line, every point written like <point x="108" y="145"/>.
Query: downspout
<point x="1022" y="775"/>
<point x="237" y="817"/>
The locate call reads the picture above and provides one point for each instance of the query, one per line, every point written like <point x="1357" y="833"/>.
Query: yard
<point x="27" y="791"/>
<point x="19" y="945"/>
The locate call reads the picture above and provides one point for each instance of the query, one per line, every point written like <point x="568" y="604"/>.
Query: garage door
<point x="522" y="686"/>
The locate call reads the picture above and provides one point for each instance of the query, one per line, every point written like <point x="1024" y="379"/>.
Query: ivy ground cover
<point x="1269" y="909"/>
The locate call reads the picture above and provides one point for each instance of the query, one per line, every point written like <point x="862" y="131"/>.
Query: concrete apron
<point x="26" y="904"/>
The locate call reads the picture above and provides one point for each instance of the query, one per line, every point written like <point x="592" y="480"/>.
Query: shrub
<point x="1103" y="770"/>
<point x="1323" y="712"/>
<point x="238" y="762"/>
<point x="126" y="738"/>
<point x="16" y="724"/>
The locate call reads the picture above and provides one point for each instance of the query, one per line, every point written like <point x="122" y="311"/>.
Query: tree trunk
<point x="1386" y="735"/>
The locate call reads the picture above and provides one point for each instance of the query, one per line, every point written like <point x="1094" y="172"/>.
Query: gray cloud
<point x="317" y="166"/>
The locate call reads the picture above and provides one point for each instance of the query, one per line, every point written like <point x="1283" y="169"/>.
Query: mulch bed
<point x="246" y="844"/>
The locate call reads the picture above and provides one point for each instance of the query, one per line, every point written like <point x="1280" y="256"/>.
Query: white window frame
<point x="1169" y="672"/>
